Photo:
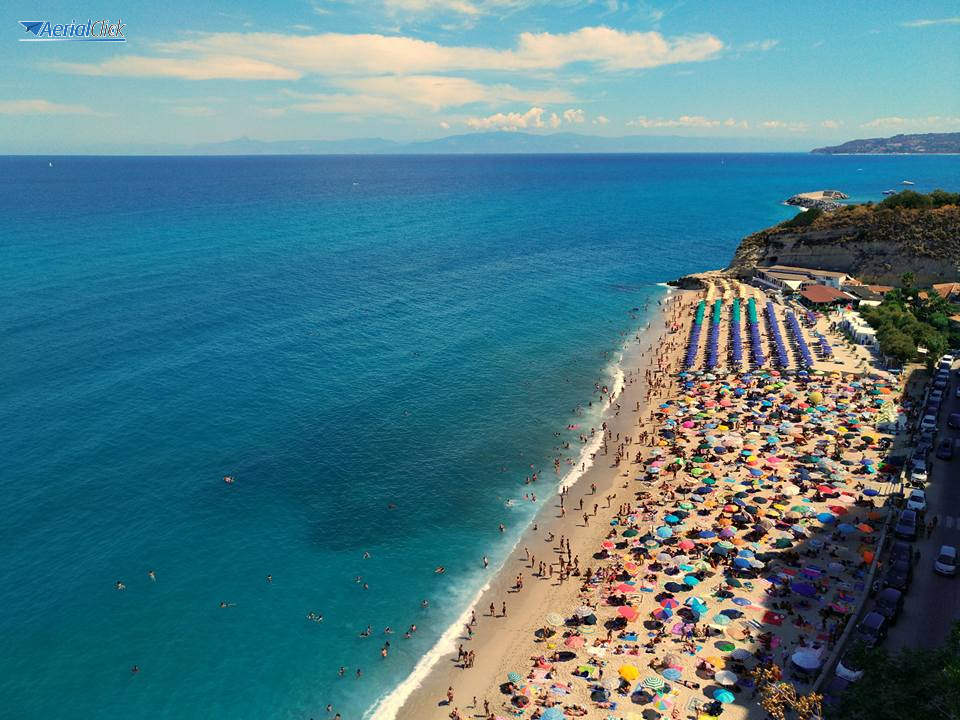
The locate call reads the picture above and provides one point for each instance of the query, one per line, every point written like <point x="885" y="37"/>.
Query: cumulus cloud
<point x="696" y="121"/>
<point x="783" y="125"/>
<point x="276" y="56"/>
<point x="927" y="22"/>
<point x="535" y="117"/>
<point x="919" y="123"/>
<point x="532" y="118"/>
<point x="43" y="107"/>
<point x="831" y="124"/>
<point x="601" y="120"/>
<point x="444" y="124"/>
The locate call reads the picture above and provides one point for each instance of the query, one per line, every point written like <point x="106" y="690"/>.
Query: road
<point x="933" y="602"/>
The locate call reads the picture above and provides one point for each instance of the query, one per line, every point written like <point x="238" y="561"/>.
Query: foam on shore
<point x="389" y="705"/>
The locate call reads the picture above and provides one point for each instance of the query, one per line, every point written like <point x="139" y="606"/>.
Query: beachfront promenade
<point x="722" y="539"/>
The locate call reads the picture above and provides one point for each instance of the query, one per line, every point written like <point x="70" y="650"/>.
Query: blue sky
<point x="794" y="73"/>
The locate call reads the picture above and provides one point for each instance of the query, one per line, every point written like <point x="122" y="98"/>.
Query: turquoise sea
<point x="377" y="349"/>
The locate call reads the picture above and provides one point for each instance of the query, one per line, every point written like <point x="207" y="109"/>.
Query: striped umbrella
<point x="654" y="682"/>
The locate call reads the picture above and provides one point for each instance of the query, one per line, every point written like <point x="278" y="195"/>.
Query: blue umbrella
<point x="671" y="674"/>
<point x="691" y="581"/>
<point x="665" y="532"/>
<point x="805" y="589"/>
<point x="742" y="563"/>
<point x="741" y="601"/>
<point x="672" y="519"/>
<point x="845" y="528"/>
<point x="707" y="534"/>
<point x="870" y="492"/>
<point x="555" y="713"/>
<point x="724" y="696"/>
<point x="826" y="518"/>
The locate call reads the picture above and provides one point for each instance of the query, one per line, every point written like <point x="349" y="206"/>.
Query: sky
<point x="804" y="74"/>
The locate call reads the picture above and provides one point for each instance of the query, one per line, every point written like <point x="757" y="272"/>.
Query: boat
<point x="906" y="182"/>
<point x="889" y="192"/>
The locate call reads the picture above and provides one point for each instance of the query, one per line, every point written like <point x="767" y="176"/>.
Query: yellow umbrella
<point x="629" y="672"/>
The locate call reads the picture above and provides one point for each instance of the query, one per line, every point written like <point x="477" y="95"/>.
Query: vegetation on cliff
<point x="920" y="143"/>
<point x="876" y="242"/>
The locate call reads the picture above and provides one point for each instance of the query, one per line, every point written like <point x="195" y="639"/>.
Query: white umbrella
<point x="725" y="677"/>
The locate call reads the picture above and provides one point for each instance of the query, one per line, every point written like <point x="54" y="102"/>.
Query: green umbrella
<point x="513" y="677"/>
<point x="654" y="682"/>
<point x="630" y="533"/>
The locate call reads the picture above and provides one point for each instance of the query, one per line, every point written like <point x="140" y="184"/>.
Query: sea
<point x="379" y="351"/>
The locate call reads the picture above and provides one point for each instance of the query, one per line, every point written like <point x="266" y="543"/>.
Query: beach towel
<point x="772" y="618"/>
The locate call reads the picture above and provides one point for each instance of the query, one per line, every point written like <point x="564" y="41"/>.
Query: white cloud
<point x="783" y="125"/>
<point x="601" y="120"/>
<point x="275" y="56"/>
<point x="693" y="121"/>
<point x="933" y="122"/>
<point x="43" y="107"/>
<point x="532" y="118"/>
<point x="440" y="91"/>
<point x="208" y="67"/>
<point x="444" y="124"/>
<point x="831" y="124"/>
<point x="760" y="45"/>
<point x="535" y="117"/>
<point x="926" y="22"/>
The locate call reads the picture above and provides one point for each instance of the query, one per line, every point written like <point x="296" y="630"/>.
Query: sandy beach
<point x="593" y="614"/>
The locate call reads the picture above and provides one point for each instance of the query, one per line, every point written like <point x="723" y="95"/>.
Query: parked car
<point x="901" y="551"/>
<point x="850" y="665"/>
<point x="872" y="630"/>
<point x="940" y="382"/>
<point x="929" y="422"/>
<point x="917" y="500"/>
<point x="945" y="450"/>
<point x="899" y="576"/>
<point x="946" y="562"/>
<point x="953" y="421"/>
<point x="889" y="603"/>
<point x="906" y="527"/>
<point x="936" y="397"/>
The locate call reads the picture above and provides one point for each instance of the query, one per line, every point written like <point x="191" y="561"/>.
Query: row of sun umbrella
<point x="806" y="358"/>
<point x="736" y="341"/>
<point x="713" y="341"/>
<point x="759" y="359"/>
<point x="825" y="349"/>
<point x="782" y="358"/>
<point x="691" y="357"/>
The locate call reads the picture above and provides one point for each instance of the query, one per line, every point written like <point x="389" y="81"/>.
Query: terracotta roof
<point x="822" y="294"/>
<point x="882" y="289"/>
<point x="947" y="290"/>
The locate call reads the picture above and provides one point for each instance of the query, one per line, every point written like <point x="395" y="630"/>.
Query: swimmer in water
<point x="120" y="586"/>
<point x="152" y="575"/>
<point x="440" y="570"/>
<point x="228" y="479"/>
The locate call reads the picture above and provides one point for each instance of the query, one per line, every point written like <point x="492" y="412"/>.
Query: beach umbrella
<point x="686" y="544"/>
<point x="583" y="611"/>
<point x="671" y="673"/>
<point x="627" y="612"/>
<point x="741" y="654"/>
<point x="631" y="532"/>
<point x="802" y="588"/>
<point x="664" y="532"/>
<point x="742" y="601"/>
<point x="706" y="534"/>
<point x="663" y="704"/>
<point x="669" y="603"/>
<point x="863" y="527"/>
<point x="806" y="660"/>
<point x="725" y="677"/>
<point x="691" y="580"/>
<point x="629" y="672"/>
<point x="575" y="641"/>
<point x="654" y="682"/>
<point x="555" y="619"/>
<point x="553" y="713"/>
<point x="845" y="528"/>
<point x="721" y="620"/>
<point x="514" y="677"/>
<point x="826" y="518"/>
<point x="724" y="696"/>
<point x="672" y="519"/>
<point x="871" y="492"/>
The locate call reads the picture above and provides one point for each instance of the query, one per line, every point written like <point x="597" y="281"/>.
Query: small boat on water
<point x="906" y="182"/>
<point x="889" y="192"/>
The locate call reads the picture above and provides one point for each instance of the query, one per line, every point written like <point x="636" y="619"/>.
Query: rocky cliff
<point x="872" y="243"/>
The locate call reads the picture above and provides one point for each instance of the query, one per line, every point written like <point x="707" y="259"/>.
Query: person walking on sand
<point x="450" y="695"/>
<point x="503" y="612"/>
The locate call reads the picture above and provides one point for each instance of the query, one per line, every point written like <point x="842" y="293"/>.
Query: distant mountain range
<point x="471" y="143"/>
<point x="925" y="143"/>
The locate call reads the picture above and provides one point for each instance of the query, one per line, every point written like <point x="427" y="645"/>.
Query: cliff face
<point x="873" y="244"/>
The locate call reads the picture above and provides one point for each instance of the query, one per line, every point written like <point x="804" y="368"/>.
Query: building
<point x="779" y="275"/>
<point x="859" y="330"/>
<point x="821" y="295"/>
<point x="948" y="291"/>
<point x="862" y="295"/>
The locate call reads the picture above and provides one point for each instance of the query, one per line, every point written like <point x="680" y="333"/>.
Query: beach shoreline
<point x="498" y="640"/>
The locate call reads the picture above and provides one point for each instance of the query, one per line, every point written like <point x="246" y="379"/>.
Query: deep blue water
<point x="339" y="334"/>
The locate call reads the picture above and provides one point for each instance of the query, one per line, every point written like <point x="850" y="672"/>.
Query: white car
<point x="929" y="422"/>
<point x="918" y="476"/>
<point x="850" y="674"/>
<point x="917" y="499"/>
<point x="946" y="562"/>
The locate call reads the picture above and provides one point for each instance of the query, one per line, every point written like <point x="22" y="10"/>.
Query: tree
<point x="914" y="683"/>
